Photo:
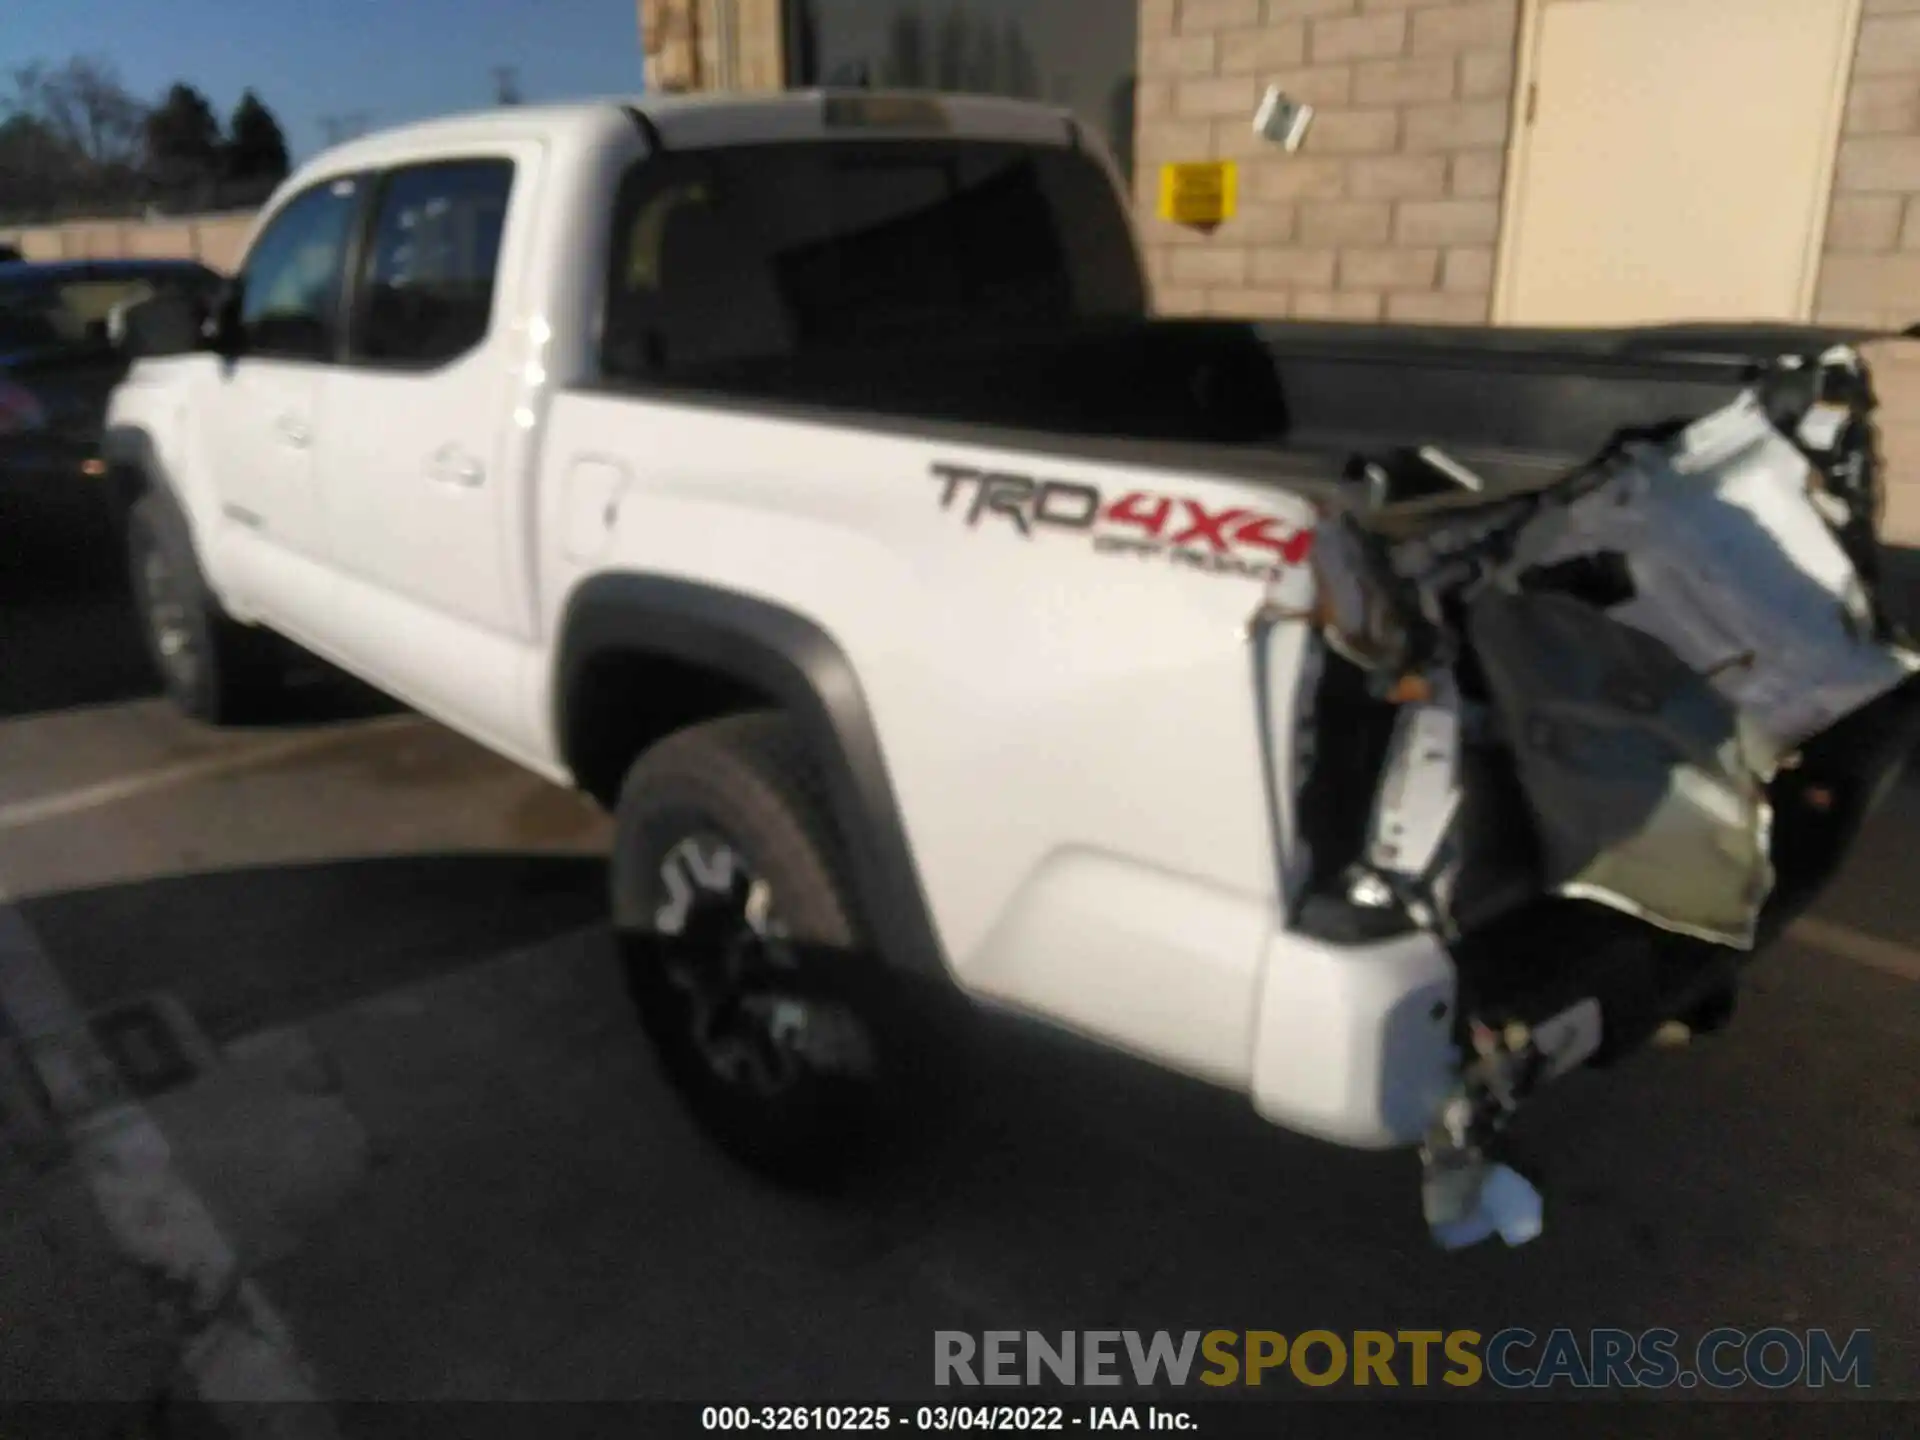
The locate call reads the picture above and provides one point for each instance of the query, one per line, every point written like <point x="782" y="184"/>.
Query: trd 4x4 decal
<point x="1231" y="541"/>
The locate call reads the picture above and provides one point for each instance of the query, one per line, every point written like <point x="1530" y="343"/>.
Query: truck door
<point x="417" y="491"/>
<point x="426" y="467"/>
<point x="260" y="418"/>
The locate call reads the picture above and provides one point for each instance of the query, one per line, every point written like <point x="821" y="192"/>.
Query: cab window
<point x="426" y="289"/>
<point x="290" y="287"/>
<point x="756" y="252"/>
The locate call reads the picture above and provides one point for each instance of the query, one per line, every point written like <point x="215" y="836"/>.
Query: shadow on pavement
<point x="318" y="694"/>
<point x="255" y="947"/>
<point x="65" y="651"/>
<point x="1900" y="580"/>
<point x="537" y="1219"/>
<point x="546" y="1223"/>
<point x="1900" y="591"/>
<point x="78" y="644"/>
<point x="64" y="537"/>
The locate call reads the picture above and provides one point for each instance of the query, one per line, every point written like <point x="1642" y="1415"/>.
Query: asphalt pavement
<point x="351" y="970"/>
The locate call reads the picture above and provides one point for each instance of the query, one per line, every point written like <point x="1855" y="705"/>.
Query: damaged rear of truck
<point x="1571" y="676"/>
<point x="1619" y="726"/>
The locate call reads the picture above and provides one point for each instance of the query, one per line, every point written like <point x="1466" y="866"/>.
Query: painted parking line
<point x="235" y="1348"/>
<point x="24" y="813"/>
<point x="1874" y="951"/>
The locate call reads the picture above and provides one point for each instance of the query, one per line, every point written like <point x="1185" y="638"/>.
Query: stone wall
<point x="1896" y="377"/>
<point x="1390" y="209"/>
<point x="686" y="44"/>
<point x="1870" y="271"/>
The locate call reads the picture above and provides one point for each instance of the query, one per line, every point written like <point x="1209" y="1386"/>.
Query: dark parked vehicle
<point x="62" y="350"/>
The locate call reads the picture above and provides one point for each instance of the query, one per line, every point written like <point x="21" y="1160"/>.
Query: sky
<point x="389" y="60"/>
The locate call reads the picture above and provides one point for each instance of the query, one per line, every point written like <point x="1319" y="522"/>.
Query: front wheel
<point x="212" y="667"/>
<point x="744" y="953"/>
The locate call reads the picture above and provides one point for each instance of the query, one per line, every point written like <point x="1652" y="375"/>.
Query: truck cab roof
<point x="702" y="121"/>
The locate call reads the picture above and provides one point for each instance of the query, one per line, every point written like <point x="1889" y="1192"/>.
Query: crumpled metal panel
<point x="1645" y="734"/>
<point x="1660" y="634"/>
<point x="1641" y="779"/>
<point x="1735" y="567"/>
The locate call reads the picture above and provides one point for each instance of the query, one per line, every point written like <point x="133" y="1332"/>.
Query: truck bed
<point x="1285" y="403"/>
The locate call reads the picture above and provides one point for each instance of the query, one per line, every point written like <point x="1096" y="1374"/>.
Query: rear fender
<point x="775" y="652"/>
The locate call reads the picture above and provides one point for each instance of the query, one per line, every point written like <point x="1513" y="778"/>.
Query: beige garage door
<point x="1673" y="159"/>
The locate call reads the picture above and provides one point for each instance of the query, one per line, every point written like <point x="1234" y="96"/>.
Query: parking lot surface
<point x="355" y="968"/>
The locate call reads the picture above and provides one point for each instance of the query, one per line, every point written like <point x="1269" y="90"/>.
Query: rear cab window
<point x="427" y="277"/>
<point x="773" y="251"/>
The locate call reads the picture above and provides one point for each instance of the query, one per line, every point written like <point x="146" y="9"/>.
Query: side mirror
<point x="220" y="329"/>
<point x="169" y="323"/>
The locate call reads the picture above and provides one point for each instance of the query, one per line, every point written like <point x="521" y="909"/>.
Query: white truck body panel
<point x="1110" y="679"/>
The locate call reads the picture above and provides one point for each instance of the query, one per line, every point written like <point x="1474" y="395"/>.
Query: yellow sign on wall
<point x="1199" y="192"/>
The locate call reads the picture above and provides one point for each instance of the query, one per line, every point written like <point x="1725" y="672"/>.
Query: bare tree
<point x="84" y="107"/>
<point x="71" y="138"/>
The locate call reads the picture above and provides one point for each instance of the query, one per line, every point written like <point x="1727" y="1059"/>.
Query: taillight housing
<point x="21" y="412"/>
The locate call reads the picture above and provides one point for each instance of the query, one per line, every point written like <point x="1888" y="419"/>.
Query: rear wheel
<point x="744" y="953"/>
<point x="214" y="668"/>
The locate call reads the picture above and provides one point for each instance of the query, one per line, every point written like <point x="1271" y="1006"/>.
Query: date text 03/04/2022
<point x="941" y="1419"/>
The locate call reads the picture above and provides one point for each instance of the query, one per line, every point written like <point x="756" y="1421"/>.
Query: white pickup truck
<point x="1377" y="721"/>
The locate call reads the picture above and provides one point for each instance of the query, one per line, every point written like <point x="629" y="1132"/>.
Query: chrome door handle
<point x="450" y="466"/>
<point x="293" y="431"/>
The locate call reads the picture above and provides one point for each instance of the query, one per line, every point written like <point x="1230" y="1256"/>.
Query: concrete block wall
<point x="685" y="41"/>
<point x="671" y="36"/>
<point x="1870" y="268"/>
<point x="1389" y="211"/>
<point x="760" y="45"/>
<point x="1896" y="378"/>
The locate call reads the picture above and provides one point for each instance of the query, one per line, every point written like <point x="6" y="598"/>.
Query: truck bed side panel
<point x="1070" y="731"/>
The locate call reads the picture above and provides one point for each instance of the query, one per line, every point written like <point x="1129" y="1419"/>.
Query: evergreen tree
<point x="183" y="137"/>
<point x="256" y="148"/>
